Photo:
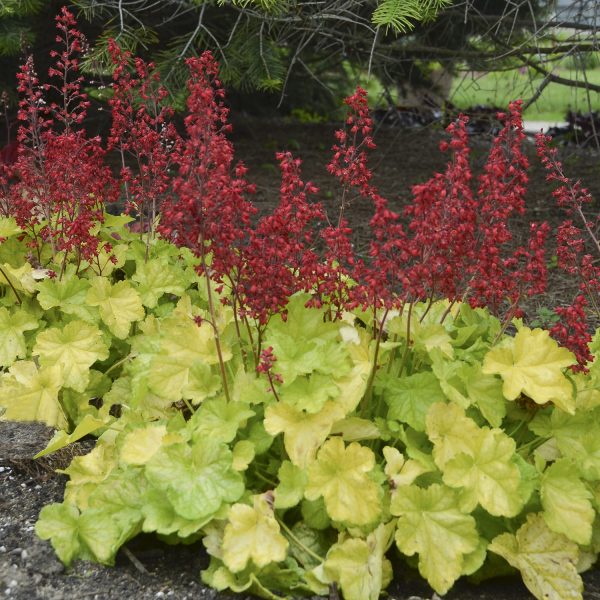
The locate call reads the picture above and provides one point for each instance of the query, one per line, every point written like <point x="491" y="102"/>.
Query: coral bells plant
<point x="307" y="414"/>
<point x="62" y="182"/>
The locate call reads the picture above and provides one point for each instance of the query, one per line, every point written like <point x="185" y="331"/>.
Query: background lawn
<point x="498" y="89"/>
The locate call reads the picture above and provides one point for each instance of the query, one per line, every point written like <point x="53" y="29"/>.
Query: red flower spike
<point x="62" y="181"/>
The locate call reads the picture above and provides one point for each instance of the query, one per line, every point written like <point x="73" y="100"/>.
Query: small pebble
<point x="24" y="554"/>
<point x="159" y="595"/>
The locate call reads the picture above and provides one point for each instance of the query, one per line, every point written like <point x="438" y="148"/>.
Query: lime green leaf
<point x="58" y="523"/>
<point x="103" y="534"/>
<point x="250" y="389"/>
<point x="450" y="431"/>
<point x="61" y="438"/>
<point x="140" y="445"/>
<point x="9" y="227"/>
<point x="304" y="343"/>
<point x="485" y="392"/>
<point x="430" y="524"/>
<point x="409" y="398"/>
<point x="219" y="420"/>
<point x="155" y="278"/>
<point x="111" y="221"/>
<point x="69" y="295"/>
<point x="220" y="578"/>
<point x="243" y="455"/>
<point x="588" y="389"/>
<point x="196" y="480"/>
<point x="161" y="517"/>
<point x="186" y="349"/>
<point x="354" y="429"/>
<point x="303" y="432"/>
<point x="89" y="535"/>
<point x="340" y="475"/>
<point x="427" y="336"/>
<point x="290" y="490"/>
<point x="310" y="392"/>
<point x="487" y="473"/>
<point x="400" y="471"/>
<point x="87" y="472"/>
<point x="452" y="376"/>
<point x="252" y="534"/>
<point x="31" y="394"/>
<point x="315" y="514"/>
<point x="532" y="363"/>
<point x="119" y="304"/>
<point x="359" y="565"/>
<point x="547" y="560"/>
<point x="75" y="348"/>
<point x="576" y="437"/>
<point x="20" y="278"/>
<point x="567" y="502"/>
<point x="12" y="341"/>
<point x="202" y="382"/>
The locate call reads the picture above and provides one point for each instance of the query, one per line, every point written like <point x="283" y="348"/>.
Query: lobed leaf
<point x="340" y="476"/>
<point x="532" y="363"/>
<point x="430" y="524"/>
<point x="547" y="560"/>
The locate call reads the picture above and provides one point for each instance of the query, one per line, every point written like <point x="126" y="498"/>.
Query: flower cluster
<point x="143" y="132"/>
<point x="208" y="211"/>
<point x="62" y="180"/>
<point x="578" y="250"/>
<point x="279" y="258"/>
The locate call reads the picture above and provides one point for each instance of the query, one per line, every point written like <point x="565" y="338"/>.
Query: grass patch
<point x="502" y="87"/>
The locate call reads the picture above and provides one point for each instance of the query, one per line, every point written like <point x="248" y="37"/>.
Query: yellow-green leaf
<point x="450" y="431"/>
<point x="12" y="341"/>
<point x="430" y="524"/>
<point x="156" y="277"/>
<point x="303" y="433"/>
<point x="61" y="438"/>
<point x="359" y="566"/>
<point x="567" y="502"/>
<point x="547" y="560"/>
<point x="532" y="363"/>
<point x="487" y="474"/>
<point x="292" y="480"/>
<point x="9" y="227"/>
<point x="252" y="534"/>
<point x="31" y="394"/>
<point x="75" y="348"/>
<point x="341" y="475"/>
<point x="119" y="304"/>
<point x="140" y="445"/>
<point x="400" y="471"/>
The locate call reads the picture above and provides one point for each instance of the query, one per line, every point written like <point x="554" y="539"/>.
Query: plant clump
<point x="311" y="416"/>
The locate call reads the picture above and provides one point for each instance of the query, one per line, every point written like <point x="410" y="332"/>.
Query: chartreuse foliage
<point x="461" y="445"/>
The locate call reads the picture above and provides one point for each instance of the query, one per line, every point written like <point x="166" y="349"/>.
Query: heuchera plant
<point x="313" y="417"/>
